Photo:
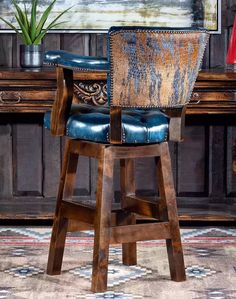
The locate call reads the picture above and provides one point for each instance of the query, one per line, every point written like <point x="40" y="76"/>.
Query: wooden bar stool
<point x="148" y="69"/>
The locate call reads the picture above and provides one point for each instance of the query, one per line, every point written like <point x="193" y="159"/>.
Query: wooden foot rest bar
<point x="140" y="232"/>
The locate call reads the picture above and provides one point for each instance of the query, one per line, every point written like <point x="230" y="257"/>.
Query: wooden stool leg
<point x="168" y="212"/>
<point x="57" y="245"/>
<point x="127" y="187"/>
<point x="60" y="224"/>
<point x="102" y="222"/>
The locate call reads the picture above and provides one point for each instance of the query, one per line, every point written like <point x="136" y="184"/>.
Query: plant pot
<point x="31" y="56"/>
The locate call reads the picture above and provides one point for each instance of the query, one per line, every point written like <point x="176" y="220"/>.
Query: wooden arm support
<point x="177" y="123"/>
<point x="62" y="104"/>
<point x="176" y="126"/>
<point x="115" y="125"/>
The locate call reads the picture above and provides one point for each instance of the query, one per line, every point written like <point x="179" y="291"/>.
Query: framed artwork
<point x="99" y="15"/>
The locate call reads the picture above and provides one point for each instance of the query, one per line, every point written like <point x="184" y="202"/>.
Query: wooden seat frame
<point x="119" y="226"/>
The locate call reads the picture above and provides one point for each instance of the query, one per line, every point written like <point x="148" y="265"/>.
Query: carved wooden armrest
<point x="62" y="104"/>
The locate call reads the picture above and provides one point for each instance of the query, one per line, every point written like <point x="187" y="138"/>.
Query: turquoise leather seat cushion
<point x="75" y="61"/>
<point x="93" y="123"/>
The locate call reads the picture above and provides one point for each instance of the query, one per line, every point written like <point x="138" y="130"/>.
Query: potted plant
<point x="32" y="29"/>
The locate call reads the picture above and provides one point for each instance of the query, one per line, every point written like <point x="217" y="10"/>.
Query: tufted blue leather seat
<point x="93" y="123"/>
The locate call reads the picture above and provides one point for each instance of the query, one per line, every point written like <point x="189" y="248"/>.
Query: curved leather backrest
<point x="153" y="67"/>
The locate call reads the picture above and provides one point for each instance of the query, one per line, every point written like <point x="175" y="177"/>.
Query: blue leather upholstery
<point x="74" y="61"/>
<point x="93" y="123"/>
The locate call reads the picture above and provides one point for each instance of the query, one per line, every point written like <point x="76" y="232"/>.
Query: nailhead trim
<point x="75" y="68"/>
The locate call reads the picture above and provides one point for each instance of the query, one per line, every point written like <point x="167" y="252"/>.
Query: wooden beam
<point x="140" y="232"/>
<point x="72" y="210"/>
<point x="141" y="206"/>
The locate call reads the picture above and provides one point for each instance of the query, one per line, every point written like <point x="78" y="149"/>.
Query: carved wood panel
<point x="93" y="93"/>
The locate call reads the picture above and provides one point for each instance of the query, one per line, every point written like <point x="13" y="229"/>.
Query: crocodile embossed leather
<point x="154" y="68"/>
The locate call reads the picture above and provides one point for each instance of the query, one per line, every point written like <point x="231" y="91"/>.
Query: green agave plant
<point x="30" y="29"/>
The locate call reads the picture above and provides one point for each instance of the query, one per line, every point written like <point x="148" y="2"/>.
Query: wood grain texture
<point x="115" y="125"/>
<point x="218" y="45"/>
<point x="128" y="188"/>
<point x="190" y="169"/>
<point x="138" y="232"/>
<point x="231" y="163"/>
<point x="27" y="146"/>
<point x="102" y="222"/>
<point x="83" y="178"/>
<point x="78" y="43"/>
<point x="52" y="42"/>
<point x="6" y="170"/>
<point x="217" y="179"/>
<point x="6" y="48"/>
<point x="98" y="44"/>
<point x="52" y="163"/>
<point x="168" y="211"/>
<point x="60" y="223"/>
<point x="16" y="42"/>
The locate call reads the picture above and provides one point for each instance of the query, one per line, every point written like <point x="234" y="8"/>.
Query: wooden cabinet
<point x="214" y="93"/>
<point x="26" y="91"/>
<point x="30" y="158"/>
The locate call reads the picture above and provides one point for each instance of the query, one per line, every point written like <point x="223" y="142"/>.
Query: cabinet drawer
<point x="215" y="96"/>
<point x="19" y="100"/>
<point x="212" y="102"/>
